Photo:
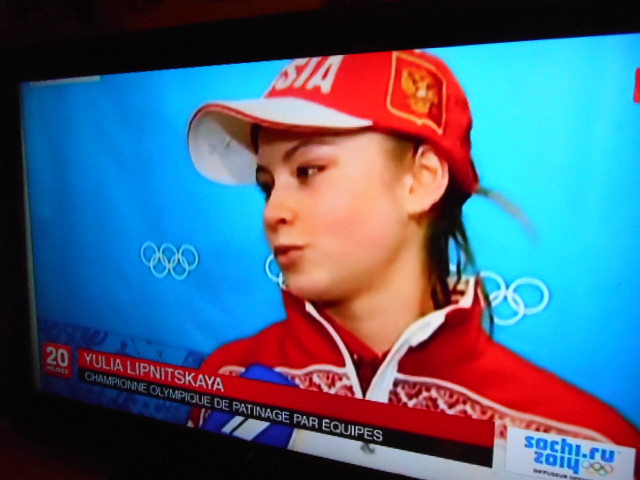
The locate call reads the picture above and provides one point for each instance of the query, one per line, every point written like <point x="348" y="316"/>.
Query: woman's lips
<point x="287" y="255"/>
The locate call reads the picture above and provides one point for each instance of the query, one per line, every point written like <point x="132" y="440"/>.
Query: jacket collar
<point x="458" y="324"/>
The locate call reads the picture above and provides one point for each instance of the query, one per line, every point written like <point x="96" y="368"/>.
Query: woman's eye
<point x="264" y="181"/>
<point x="266" y="189"/>
<point x="305" y="172"/>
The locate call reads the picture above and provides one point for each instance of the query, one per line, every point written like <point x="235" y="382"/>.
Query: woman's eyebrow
<point x="299" y="145"/>
<point x="307" y="142"/>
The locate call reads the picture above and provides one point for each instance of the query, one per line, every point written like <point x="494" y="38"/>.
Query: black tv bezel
<point x="139" y="446"/>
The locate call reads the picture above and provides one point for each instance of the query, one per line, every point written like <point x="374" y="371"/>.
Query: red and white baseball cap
<point x="409" y="93"/>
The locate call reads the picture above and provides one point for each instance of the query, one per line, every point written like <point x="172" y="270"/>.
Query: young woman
<point x="365" y="162"/>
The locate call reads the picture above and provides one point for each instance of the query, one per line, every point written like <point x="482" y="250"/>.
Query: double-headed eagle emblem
<point x="419" y="85"/>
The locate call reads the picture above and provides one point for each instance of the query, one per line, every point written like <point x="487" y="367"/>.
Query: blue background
<point x="556" y="131"/>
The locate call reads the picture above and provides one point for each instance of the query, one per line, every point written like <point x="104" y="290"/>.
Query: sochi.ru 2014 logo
<point x="573" y="456"/>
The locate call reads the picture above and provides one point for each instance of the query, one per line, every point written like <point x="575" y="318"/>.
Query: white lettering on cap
<point x="289" y="74"/>
<point x="317" y="72"/>
<point x="307" y="72"/>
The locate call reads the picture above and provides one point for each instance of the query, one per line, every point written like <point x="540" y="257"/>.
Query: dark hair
<point x="446" y="230"/>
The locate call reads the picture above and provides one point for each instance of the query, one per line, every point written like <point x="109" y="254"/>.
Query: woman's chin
<point x="308" y="288"/>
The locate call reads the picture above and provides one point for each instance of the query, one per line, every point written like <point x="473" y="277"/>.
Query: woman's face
<point x="336" y="213"/>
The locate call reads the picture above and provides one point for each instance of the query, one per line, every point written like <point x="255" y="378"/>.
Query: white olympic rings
<point x="279" y="278"/>
<point x="514" y="300"/>
<point x="174" y="261"/>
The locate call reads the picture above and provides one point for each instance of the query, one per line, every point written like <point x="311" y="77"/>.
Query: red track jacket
<point x="443" y="362"/>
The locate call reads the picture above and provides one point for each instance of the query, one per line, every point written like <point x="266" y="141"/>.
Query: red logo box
<point x="57" y="360"/>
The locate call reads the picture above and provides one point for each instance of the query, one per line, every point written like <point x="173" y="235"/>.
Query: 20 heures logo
<point x="57" y="360"/>
<point x="571" y="455"/>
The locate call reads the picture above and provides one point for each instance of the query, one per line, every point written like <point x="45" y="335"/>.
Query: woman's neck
<point x="380" y="316"/>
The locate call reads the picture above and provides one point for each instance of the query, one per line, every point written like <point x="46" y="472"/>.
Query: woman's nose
<point x="280" y="208"/>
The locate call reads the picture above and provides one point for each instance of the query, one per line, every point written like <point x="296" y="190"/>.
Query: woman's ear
<point x="428" y="180"/>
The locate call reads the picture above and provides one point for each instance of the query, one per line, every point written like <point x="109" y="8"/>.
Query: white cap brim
<point x="220" y="133"/>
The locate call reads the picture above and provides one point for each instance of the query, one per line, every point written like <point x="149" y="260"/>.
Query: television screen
<point x="229" y="248"/>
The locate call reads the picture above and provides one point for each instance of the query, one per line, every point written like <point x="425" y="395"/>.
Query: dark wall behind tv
<point x="12" y="300"/>
<point x="25" y="22"/>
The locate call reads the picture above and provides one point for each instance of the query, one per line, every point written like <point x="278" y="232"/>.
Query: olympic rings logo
<point x="168" y="259"/>
<point x="514" y="300"/>
<point x="274" y="277"/>
<point x="601" y="469"/>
